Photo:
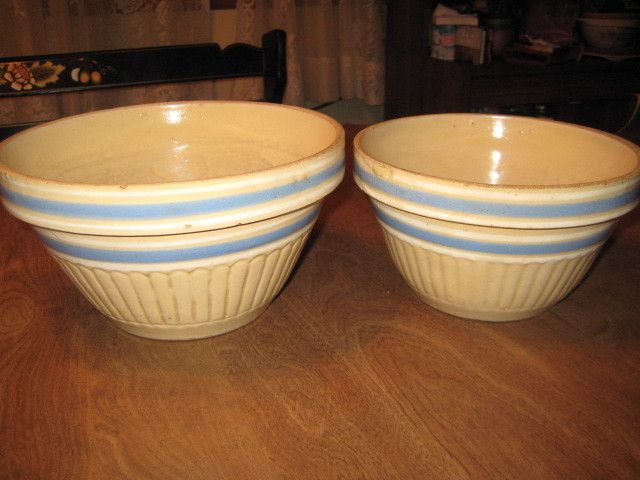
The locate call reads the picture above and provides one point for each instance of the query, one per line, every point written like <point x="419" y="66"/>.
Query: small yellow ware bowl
<point x="493" y="217"/>
<point x="179" y="220"/>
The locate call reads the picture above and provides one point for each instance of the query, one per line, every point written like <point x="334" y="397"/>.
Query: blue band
<point x="178" y="255"/>
<point x="167" y="210"/>
<point x="487" y="247"/>
<point x="479" y="207"/>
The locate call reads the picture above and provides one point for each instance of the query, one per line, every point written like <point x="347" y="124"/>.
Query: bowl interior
<point x="499" y="150"/>
<point x="161" y="143"/>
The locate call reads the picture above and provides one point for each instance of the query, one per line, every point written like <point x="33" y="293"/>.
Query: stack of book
<point x="456" y="36"/>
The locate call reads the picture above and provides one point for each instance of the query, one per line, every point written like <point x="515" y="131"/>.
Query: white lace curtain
<point x="334" y="47"/>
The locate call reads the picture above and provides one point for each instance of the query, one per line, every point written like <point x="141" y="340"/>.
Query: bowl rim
<point x="422" y="177"/>
<point x="132" y="188"/>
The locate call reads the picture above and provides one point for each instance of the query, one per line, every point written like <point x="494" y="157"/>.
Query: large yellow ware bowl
<point x="491" y="217"/>
<point x="176" y="220"/>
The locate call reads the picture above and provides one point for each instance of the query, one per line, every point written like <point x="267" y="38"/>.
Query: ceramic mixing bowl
<point x="611" y="33"/>
<point x="176" y="220"/>
<point x="491" y="217"/>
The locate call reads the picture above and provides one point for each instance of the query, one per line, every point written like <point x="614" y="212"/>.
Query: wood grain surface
<point x="346" y="375"/>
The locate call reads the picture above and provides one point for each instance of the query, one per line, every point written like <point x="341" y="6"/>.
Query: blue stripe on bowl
<point x="178" y="255"/>
<point x="167" y="210"/>
<point x="488" y="247"/>
<point x="479" y="207"/>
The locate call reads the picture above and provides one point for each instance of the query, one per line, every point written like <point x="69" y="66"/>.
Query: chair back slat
<point x="79" y="71"/>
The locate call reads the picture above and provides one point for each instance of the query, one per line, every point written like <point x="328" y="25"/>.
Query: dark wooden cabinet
<point x="416" y="83"/>
<point x="406" y="53"/>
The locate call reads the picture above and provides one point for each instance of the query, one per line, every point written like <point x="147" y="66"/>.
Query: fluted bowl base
<point x="191" y="332"/>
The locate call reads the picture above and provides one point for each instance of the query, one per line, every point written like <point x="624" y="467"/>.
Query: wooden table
<point x="347" y="375"/>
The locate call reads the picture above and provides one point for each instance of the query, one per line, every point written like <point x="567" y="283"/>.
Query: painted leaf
<point x="45" y="73"/>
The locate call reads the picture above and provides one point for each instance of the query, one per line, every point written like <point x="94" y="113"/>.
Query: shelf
<point x="418" y="84"/>
<point x="451" y="86"/>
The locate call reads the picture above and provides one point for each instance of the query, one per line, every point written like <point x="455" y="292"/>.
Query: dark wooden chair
<point x="71" y="72"/>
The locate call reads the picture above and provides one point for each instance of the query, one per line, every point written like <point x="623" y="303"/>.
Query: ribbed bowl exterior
<point x="486" y="273"/>
<point x="216" y="284"/>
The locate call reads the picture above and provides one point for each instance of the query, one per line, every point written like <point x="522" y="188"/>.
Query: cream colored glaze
<point x="499" y="150"/>
<point x="167" y="143"/>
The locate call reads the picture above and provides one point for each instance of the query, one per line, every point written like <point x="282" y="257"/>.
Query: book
<point x="471" y="44"/>
<point x="448" y="16"/>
